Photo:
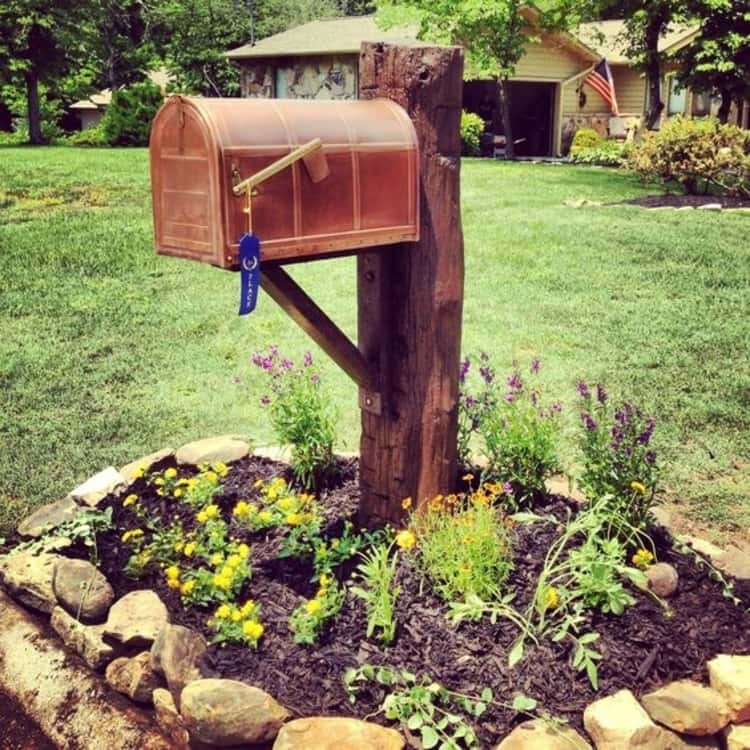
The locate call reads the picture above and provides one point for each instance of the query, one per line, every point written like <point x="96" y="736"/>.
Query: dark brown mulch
<point x="676" y="201"/>
<point x="644" y="647"/>
<point x="17" y="730"/>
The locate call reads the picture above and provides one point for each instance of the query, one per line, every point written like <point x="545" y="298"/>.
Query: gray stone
<point x="129" y="471"/>
<point x="730" y="676"/>
<point x="538" y="734"/>
<point x="688" y="707"/>
<point x="227" y="712"/>
<point x="137" y="618"/>
<point x="28" y="578"/>
<point x="175" y="654"/>
<point x="703" y="547"/>
<point x="49" y="517"/>
<point x="85" y="640"/>
<point x="710" y="207"/>
<point x="680" y="742"/>
<point x="97" y="487"/>
<point x="662" y="516"/>
<point x="82" y="590"/>
<point x="618" y="722"/>
<point x="334" y="733"/>
<point x="225" y="448"/>
<point x="736" y="562"/>
<point x="737" y="736"/>
<point x="686" y="208"/>
<point x="662" y="579"/>
<point x="133" y="677"/>
<point x="169" y="720"/>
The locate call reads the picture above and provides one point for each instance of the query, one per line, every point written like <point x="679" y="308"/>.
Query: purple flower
<point x="515" y="383"/>
<point x="507" y="488"/>
<point x="534" y="397"/>
<point x="469" y="401"/>
<point x="510" y="397"/>
<point x="307" y="360"/>
<point x="486" y="374"/>
<point x="273" y="350"/>
<point x="582" y="389"/>
<point x="623" y="414"/>
<point x="464" y="370"/>
<point x="650" y="457"/>
<point x="535" y="366"/>
<point x="267" y="364"/>
<point x="265" y="401"/>
<point x="601" y="394"/>
<point x="645" y="437"/>
<point x="588" y="422"/>
<point x="556" y="407"/>
<point x="286" y="364"/>
<point x="314" y="378"/>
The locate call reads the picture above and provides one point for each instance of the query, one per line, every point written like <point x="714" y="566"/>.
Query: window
<point x="677" y="97"/>
<point x="701" y="104"/>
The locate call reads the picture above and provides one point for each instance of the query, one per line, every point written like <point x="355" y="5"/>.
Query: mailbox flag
<point x="249" y="273"/>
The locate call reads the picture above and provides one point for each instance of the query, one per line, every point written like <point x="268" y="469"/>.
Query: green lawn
<point x="108" y="352"/>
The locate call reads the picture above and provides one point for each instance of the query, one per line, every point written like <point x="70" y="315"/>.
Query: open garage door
<point x="532" y="111"/>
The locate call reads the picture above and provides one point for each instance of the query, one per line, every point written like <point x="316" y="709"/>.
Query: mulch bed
<point x="677" y="201"/>
<point x="642" y="648"/>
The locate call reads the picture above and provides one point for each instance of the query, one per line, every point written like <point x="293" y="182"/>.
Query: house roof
<point x="605" y="36"/>
<point x="102" y="99"/>
<point x="325" y="37"/>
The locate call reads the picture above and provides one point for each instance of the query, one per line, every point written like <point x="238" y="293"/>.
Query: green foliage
<point x="423" y="706"/>
<point x="377" y="572"/>
<point x="472" y="127"/>
<point x="585" y="138"/>
<point x="233" y="623"/>
<point x="517" y="434"/>
<point x="619" y="462"/>
<point x="127" y="121"/>
<point x="606" y="154"/>
<point x="92" y="137"/>
<point x="699" y="154"/>
<point x="463" y="544"/>
<point x="309" y="618"/>
<point x="301" y="413"/>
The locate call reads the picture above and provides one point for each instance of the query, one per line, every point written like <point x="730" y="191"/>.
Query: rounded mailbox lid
<point x="201" y="147"/>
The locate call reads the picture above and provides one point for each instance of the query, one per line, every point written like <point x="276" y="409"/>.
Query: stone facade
<point x="327" y="77"/>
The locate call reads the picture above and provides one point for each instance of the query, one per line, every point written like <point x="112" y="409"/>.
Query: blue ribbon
<point x="249" y="273"/>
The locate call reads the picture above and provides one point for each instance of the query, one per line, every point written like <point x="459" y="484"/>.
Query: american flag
<point x="600" y="79"/>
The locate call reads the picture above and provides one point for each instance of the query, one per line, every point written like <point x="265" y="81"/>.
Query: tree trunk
<point x="32" y="108"/>
<point x="503" y="90"/>
<point x="726" y="105"/>
<point x="410" y="296"/>
<point x="653" y="72"/>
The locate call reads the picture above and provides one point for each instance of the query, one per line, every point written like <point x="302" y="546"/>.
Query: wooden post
<point x="410" y="298"/>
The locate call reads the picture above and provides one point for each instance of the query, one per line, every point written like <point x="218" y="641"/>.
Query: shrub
<point x="301" y="414"/>
<point x="585" y="138"/>
<point x="472" y="127"/>
<point x="700" y="154"/>
<point x="517" y="434"/>
<point x="606" y="154"/>
<point x="619" y="463"/>
<point x="127" y="121"/>
<point x="90" y="137"/>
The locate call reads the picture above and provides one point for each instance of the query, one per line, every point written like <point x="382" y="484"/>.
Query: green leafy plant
<point x="91" y="137"/>
<point x="584" y="139"/>
<point x="422" y="705"/>
<point x="234" y="623"/>
<point x="619" y="462"/>
<point x="472" y="127"/>
<point x="301" y="414"/>
<point x="127" y="121"/>
<point x="463" y="546"/>
<point x="606" y="154"/>
<point x="309" y="618"/>
<point x="377" y="572"/>
<point x="700" y="154"/>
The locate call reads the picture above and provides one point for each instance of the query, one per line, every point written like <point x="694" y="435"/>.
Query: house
<point x="90" y="111"/>
<point x="550" y="102"/>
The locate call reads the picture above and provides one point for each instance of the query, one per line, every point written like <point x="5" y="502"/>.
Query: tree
<point x="39" y="42"/>
<point x="717" y="61"/>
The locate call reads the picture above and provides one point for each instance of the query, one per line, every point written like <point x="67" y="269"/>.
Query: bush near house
<point x="472" y="127"/>
<point x="127" y="121"/>
<point x="702" y="155"/>
<point x="606" y="154"/>
<point x="584" y="139"/>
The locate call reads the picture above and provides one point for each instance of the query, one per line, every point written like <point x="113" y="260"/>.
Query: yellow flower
<point x="406" y="503"/>
<point x="294" y="519"/>
<point x="222" y="582"/>
<point x="252" y="630"/>
<point x="468" y="478"/>
<point x="223" y="612"/>
<point x="201" y="516"/>
<point x="236" y="616"/>
<point x="187" y="588"/>
<point x="313" y="606"/>
<point x="159" y="481"/>
<point x="170" y="473"/>
<point x="221" y="468"/>
<point x="212" y="511"/>
<point x="248" y="608"/>
<point x="642" y="558"/>
<point x="212" y="477"/>
<point x="324" y="581"/>
<point x="132" y="534"/>
<point x="638" y="487"/>
<point x="129" y="500"/>
<point x="286" y="503"/>
<point x="234" y="561"/>
<point x="178" y="492"/>
<point x="173" y="571"/>
<point x="265" y="516"/>
<point x="551" y="598"/>
<point x="258" y="484"/>
<point x="139" y="472"/>
<point x="173" y="583"/>
<point x="179" y="546"/>
<point x="243" y="551"/>
<point x="406" y="539"/>
<point x="217" y="558"/>
<point x="241" y="509"/>
<point x="189" y="549"/>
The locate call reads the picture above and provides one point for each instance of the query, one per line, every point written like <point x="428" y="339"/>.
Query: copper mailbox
<point x="360" y="190"/>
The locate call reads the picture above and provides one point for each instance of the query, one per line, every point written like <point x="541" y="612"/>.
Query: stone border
<point x="154" y="663"/>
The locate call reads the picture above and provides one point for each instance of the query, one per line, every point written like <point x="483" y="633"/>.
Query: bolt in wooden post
<point x="410" y="298"/>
